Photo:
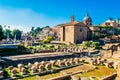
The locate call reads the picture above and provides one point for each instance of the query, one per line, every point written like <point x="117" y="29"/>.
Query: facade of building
<point x="74" y="31"/>
<point x="45" y="33"/>
<point x="56" y="30"/>
<point x="111" y="22"/>
<point x="25" y="36"/>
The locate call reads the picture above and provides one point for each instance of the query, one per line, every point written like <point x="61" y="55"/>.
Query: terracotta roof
<point x="76" y="23"/>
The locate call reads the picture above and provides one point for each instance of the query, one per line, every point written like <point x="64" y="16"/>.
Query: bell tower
<point x="72" y="18"/>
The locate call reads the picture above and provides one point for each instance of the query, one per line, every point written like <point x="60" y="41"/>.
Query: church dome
<point x="87" y="18"/>
<point x="110" y="21"/>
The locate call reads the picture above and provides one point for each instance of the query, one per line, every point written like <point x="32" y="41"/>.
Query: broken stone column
<point x="29" y="65"/>
<point x="41" y="68"/>
<point x="20" y="66"/>
<point x="23" y="71"/>
<point x="37" y="64"/>
<point x="33" y="69"/>
<point x="1" y="75"/>
<point x="10" y="68"/>
<point x="14" y="71"/>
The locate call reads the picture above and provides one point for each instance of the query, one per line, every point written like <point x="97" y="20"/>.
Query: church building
<point x="74" y="31"/>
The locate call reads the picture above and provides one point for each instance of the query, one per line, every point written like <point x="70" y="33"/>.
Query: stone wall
<point x="32" y="60"/>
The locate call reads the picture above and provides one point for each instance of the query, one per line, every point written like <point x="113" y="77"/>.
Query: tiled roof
<point x="76" y="23"/>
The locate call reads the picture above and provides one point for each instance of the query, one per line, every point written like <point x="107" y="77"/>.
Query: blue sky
<point x="23" y="14"/>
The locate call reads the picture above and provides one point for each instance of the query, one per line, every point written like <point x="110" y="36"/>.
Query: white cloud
<point x="24" y="19"/>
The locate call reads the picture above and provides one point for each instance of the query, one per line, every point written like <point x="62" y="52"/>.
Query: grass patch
<point x="62" y="72"/>
<point x="6" y="73"/>
<point x="55" y="67"/>
<point x="101" y="72"/>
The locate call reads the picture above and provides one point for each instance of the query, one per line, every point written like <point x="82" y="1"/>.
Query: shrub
<point x="96" y="37"/>
<point x="51" y="46"/>
<point x="95" y="45"/>
<point x="48" y="39"/>
<point x="103" y="35"/>
<point x="86" y="44"/>
<point x="30" y="47"/>
<point x="38" y="47"/>
<point x="43" y="45"/>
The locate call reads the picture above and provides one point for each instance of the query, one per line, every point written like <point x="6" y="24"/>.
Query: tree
<point x="104" y="31"/>
<point x="37" y="30"/>
<point x="1" y="32"/>
<point x="48" y="39"/>
<point x="46" y="27"/>
<point x="6" y="33"/>
<point x="95" y="45"/>
<point x="100" y="27"/>
<point x="32" y="29"/>
<point x="34" y="32"/>
<point x="17" y="33"/>
<point x="108" y="27"/>
<point x="118" y="30"/>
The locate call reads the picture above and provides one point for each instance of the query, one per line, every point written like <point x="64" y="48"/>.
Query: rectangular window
<point x="80" y="29"/>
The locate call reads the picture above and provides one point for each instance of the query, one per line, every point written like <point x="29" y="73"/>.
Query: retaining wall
<point x="32" y="60"/>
